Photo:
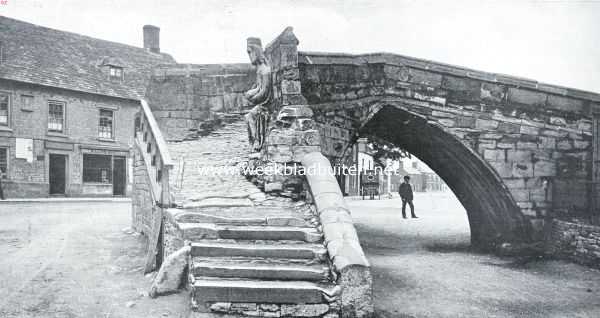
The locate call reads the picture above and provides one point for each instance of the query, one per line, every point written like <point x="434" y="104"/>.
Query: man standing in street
<point x="406" y="194"/>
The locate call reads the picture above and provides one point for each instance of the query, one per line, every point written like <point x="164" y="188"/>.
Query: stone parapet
<point x="341" y="240"/>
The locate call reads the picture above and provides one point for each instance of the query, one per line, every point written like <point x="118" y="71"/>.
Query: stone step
<point x="258" y="269"/>
<point x="239" y="249"/>
<point x="213" y="289"/>
<point x="186" y="216"/>
<point x="195" y="231"/>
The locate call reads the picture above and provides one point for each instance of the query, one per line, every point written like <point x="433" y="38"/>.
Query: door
<point x="57" y="173"/>
<point x="119" y="175"/>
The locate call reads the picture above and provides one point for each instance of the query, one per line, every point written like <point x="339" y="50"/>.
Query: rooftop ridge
<point x="88" y="37"/>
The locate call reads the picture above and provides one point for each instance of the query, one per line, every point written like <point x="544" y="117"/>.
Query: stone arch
<point x="493" y="214"/>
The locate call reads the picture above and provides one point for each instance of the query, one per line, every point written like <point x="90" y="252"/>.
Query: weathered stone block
<point x="279" y="153"/>
<point x="526" y="97"/>
<point x="281" y="137"/>
<point x="529" y="130"/>
<point x="497" y="155"/>
<point x="567" y="104"/>
<point x="304" y="310"/>
<point x="447" y="122"/>
<point x="507" y="127"/>
<point x="544" y="168"/>
<point x="466" y="122"/>
<point x="519" y="155"/>
<point x="504" y="169"/>
<point x="486" y="124"/>
<point x="526" y="145"/>
<point x="522" y="169"/>
<point x="564" y="144"/>
<point x="493" y="92"/>
<point x="290" y="87"/>
<point x="519" y="194"/>
<point x="273" y="186"/>
<point x="547" y="142"/>
<point x="581" y="144"/>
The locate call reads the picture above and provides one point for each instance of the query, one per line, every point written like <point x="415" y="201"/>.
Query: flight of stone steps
<point x="252" y="254"/>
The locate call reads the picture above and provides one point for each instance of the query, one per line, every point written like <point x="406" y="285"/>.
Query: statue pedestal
<point x="276" y="169"/>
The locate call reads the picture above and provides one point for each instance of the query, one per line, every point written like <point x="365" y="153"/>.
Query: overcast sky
<point x="551" y="41"/>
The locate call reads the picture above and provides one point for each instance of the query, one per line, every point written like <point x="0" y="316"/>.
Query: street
<point x="76" y="259"/>
<point x="424" y="268"/>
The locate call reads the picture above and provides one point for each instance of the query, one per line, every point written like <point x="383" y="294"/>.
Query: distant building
<point x="67" y="109"/>
<point x="422" y="178"/>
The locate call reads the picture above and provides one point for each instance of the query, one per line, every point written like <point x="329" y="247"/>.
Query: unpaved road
<point x="423" y="268"/>
<point x="74" y="260"/>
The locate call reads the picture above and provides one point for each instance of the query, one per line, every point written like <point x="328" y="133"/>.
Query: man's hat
<point x="254" y="42"/>
<point x="406" y="178"/>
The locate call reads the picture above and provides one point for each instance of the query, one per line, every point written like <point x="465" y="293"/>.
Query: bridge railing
<point x="151" y="191"/>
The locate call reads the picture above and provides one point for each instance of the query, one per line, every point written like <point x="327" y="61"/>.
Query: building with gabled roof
<point x="67" y="109"/>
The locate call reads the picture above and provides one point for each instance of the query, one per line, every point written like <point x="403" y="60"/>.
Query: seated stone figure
<point x="259" y="96"/>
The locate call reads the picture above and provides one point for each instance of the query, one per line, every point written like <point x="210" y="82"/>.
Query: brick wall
<point x="27" y="179"/>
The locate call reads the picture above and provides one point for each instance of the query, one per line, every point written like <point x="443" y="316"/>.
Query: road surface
<point x="76" y="259"/>
<point x="424" y="268"/>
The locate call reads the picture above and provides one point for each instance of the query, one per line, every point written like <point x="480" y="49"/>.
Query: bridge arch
<point x="493" y="214"/>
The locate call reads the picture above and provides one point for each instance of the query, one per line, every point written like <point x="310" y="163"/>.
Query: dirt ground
<point x="424" y="268"/>
<point x="79" y="260"/>
<point x="76" y="260"/>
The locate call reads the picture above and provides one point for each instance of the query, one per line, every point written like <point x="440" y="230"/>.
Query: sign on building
<point x="24" y="149"/>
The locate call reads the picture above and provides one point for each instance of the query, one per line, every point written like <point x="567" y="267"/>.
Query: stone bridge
<point x="513" y="150"/>
<point x="516" y="153"/>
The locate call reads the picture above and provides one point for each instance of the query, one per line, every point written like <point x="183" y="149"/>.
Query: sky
<point x="551" y="41"/>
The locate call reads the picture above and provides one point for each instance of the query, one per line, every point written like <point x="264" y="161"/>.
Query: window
<point x="105" y="126"/>
<point x="3" y="162"/>
<point x="116" y="72"/>
<point x="56" y="116"/>
<point x="4" y="104"/>
<point x="97" y="168"/>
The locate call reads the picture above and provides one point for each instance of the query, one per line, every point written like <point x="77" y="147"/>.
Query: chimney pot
<point x="152" y="38"/>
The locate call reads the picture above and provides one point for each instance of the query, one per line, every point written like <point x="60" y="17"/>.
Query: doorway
<point x="57" y="173"/>
<point x="119" y="175"/>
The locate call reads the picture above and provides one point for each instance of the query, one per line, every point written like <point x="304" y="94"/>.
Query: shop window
<point x="56" y="116"/>
<point x="97" y="168"/>
<point x="105" y="126"/>
<point x="3" y="163"/>
<point x="4" y="106"/>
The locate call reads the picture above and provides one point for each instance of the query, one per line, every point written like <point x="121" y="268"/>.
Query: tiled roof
<point x="39" y="55"/>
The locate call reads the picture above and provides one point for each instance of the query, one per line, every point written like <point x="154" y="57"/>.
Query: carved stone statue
<point x="259" y="96"/>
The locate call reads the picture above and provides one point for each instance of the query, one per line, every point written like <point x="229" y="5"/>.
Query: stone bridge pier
<point x="514" y="151"/>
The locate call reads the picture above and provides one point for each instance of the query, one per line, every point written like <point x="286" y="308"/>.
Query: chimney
<point x="152" y="38"/>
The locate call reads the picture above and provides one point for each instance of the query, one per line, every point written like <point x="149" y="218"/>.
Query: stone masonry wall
<point x="537" y="137"/>
<point x="141" y="197"/>
<point x="187" y="99"/>
<point x="575" y="241"/>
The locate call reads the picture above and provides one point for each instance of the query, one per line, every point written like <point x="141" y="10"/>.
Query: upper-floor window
<point x="56" y="116"/>
<point x="4" y="105"/>
<point x="116" y="72"/>
<point x="105" y="125"/>
<point x="3" y="162"/>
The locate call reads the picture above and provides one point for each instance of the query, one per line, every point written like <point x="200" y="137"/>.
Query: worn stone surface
<point x="171" y="273"/>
